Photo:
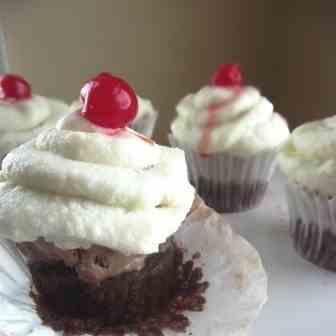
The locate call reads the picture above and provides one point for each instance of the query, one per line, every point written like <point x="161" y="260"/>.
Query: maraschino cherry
<point x="14" y="88"/>
<point x="227" y="75"/>
<point x="108" y="101"/>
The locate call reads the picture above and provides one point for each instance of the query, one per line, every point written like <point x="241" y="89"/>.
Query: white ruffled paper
<point x="237" y="292"/>
<point x="311" y="218"/>
<point x="227" y="169"/>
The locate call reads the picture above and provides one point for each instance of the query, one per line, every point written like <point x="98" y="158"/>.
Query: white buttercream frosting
<point x="76" y="186"/>
<point x="217" y="119"/>
<point x="23" y="120"/>
<point x="145" y="107"/>
<point x="309" y="156"/>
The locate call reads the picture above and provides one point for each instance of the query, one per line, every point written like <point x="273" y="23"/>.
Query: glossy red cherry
<point x="108" y="101"/>
<point x="227" y="75"/>
<point x="14" y="88"/>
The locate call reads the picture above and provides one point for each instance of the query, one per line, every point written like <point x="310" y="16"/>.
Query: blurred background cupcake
<point x="146" y="117"/>
<point x="309" y="161"/>
<point x="231" y="136"/>
<point x="23" y="114"/>
<point x="144" y="121"/>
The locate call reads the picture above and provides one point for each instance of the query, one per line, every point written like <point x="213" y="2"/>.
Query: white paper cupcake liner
<point x="145" y="124"/>
<point x="237" y="292"/>
<point x="313" y="225"/>
<point x="229" y="183"/>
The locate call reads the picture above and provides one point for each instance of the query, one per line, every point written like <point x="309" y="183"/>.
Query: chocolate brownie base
<point x="91" y="265"/>
<point x="233" y="197"/>
<point x="133" y="295"/>
<point x="314" y="245"/>
<point x="143" y="303"/>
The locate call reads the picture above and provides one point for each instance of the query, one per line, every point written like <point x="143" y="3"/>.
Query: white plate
<point x="238" y="282"/>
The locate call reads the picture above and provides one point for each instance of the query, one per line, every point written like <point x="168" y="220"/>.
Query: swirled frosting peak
<point x="75" y="185"/>
<point x="24" y="115"/>
<point x="309" y="156"/>
<point x="235" y="119"/>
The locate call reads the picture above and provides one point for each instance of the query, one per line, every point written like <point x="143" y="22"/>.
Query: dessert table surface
<point x="302" y="297"/>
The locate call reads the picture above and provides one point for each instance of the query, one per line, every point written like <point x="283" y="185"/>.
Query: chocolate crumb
<point x="188" y="295"/>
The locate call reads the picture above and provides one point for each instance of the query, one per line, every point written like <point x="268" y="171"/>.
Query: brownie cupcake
<point x="231" y="136"/>
<point x="144" y="121"/>
<point x="308" y="160"/>
<point x="24" y="115"/>
<point x="94" y="206"/>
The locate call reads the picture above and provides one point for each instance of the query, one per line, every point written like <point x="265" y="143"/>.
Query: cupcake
<point x="231" y="135"/>
<point x="308" y="160"/>
<point x="24" y="115"/>
<point x="94" y="206"/>
<point x="144" y="121"/>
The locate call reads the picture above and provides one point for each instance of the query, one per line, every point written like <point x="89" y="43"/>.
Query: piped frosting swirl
<point x="236" y="119"/>
<point x="76" y="186"/>
<point x="23" y="120"/>
<point x="309" y="158"/>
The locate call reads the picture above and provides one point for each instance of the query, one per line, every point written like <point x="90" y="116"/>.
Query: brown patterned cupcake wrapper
<point x="313" y="225"/>
<point x="229" y="183"/>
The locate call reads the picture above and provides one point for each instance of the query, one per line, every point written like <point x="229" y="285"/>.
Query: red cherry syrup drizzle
<point x="227" y="76"/>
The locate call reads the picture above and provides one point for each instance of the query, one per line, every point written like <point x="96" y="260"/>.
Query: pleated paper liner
<point x="313" y="225"/>
<point x="226" y="182"/>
